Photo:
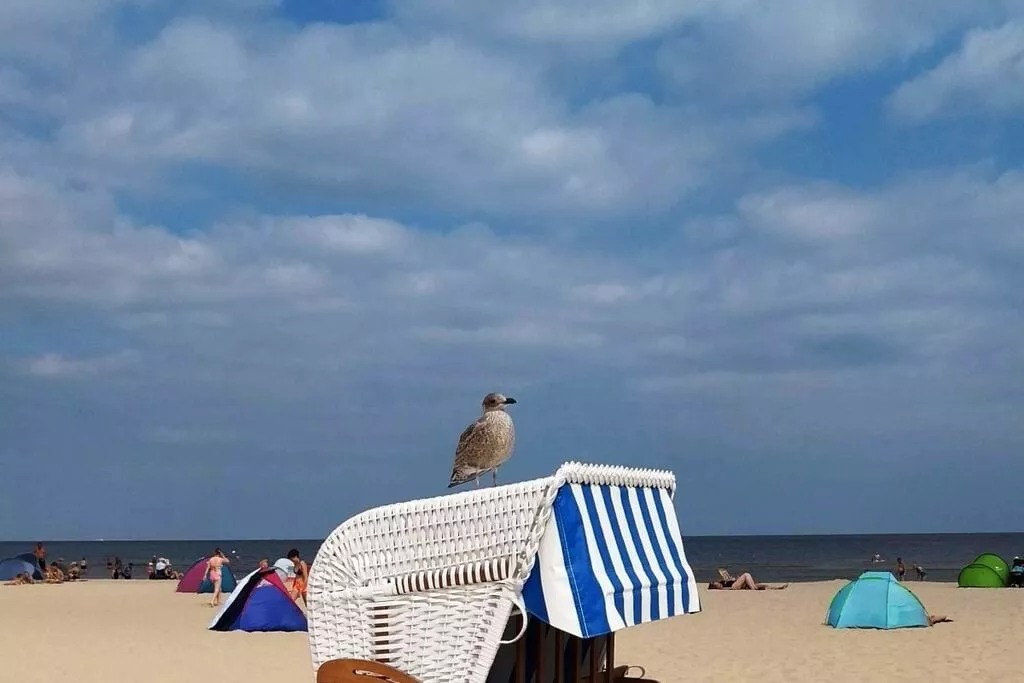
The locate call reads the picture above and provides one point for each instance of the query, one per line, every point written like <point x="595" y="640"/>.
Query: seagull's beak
<point x="509" y="401"/>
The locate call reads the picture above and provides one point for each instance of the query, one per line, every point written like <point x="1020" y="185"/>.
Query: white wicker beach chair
<point x="428" y="586"/>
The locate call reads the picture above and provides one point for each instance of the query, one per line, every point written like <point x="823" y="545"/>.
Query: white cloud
<point x="597" y="25"/>
<point x="814" y="214"/>
<point x="60" y="366"/>
<point x="775" y="50"/>
<point x="817" y="262"/>
<point x="376" y="111"/>
<point x="986" y="75"/>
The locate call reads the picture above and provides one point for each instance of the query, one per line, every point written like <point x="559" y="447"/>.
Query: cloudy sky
<point x="260" y="260"/>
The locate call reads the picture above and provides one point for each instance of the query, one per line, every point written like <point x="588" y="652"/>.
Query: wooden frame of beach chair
<point x="545" y="653"/>
<point x="428" y="587"/>
<point x="364" y="671"/>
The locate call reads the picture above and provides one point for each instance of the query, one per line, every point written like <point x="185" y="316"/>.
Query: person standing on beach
<point x="901" y="569"/>
<point x="213" y="571"/>
<point x="40" y="553"/>
<point x="301" y="575"/>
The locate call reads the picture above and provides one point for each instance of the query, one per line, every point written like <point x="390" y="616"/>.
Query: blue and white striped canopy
<point x="611" y="557"/>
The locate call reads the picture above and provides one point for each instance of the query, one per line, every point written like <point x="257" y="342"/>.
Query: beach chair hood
<point x="611" y="555"/>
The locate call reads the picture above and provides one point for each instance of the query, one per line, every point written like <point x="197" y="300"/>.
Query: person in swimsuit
<point x="301" y="575"/>
<point x="20" y="579"/>
<point x="743" y="582"/>
<point x="213" y="571"/>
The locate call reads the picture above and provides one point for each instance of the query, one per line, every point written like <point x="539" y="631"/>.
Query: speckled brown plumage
<point x="486" y="444"/>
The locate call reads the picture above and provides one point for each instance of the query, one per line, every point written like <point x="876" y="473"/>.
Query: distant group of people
<point x="159" y="568"/>
<point x="297" y="588"/>
<point x="56" y="571"/>
<point x="901" y="569"/>
<point x="118" y="569"/>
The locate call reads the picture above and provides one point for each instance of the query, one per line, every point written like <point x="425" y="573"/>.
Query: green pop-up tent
<point x="987" y="571"/>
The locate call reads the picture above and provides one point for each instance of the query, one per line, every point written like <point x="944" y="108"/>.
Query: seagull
<point x="486" y="444"/>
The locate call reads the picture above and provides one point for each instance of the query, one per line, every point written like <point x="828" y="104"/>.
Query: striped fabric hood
<point x="611" y="557"/>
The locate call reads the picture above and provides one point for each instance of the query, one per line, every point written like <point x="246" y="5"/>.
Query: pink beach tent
<point x="193" y="577"/>
<point x="194" y="580"/>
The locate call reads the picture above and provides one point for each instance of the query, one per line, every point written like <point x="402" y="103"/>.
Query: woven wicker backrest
<point x="422" y="585"/>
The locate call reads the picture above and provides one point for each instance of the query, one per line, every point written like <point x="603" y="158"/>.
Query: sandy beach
<point x="97" y="631"/>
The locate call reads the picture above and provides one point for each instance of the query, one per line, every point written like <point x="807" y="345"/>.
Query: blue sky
<point x="272" y="254"/>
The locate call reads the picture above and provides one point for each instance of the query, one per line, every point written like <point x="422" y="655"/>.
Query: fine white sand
<point x="99" y="631"/>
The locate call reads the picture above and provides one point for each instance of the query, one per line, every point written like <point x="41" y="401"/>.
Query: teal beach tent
<point x="876" y="600"/>
<point x="227" y="582"/>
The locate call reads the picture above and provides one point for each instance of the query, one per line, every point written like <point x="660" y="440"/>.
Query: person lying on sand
<point x="54" y="574"/>
<point x="937" y="619"/>
<point x="743" y="582"/>
<point x="20" y="579"/>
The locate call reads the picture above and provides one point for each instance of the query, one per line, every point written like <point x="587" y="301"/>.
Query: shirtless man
<point x="40" y="553"/>
<point x="213" y="571"/>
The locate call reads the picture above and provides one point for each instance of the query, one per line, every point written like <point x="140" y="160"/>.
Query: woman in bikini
<point x="301" y="575"/>
<point x="741" y="583"/>
<point x="213" y="571"/>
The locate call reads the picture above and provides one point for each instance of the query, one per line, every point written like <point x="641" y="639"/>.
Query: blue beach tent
<point x="876" y="600"/>
<point x="260" y="603"/>
<point x="13" y="566"/>
<point x="37" y="573"/>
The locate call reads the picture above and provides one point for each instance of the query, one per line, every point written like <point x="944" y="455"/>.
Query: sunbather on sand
<point x="21" y="579"/>
<point x="743" y="582"/>
<point x="54" y="574"/>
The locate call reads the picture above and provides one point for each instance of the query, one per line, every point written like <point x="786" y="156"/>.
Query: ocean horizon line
<point x="221" y="539"/>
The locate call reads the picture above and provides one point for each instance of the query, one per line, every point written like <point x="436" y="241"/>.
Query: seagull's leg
<point x="478" y="481"/>
<point x="494" y="475"/>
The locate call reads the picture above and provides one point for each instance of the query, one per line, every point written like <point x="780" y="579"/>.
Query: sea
<point x="768" y="558"/>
